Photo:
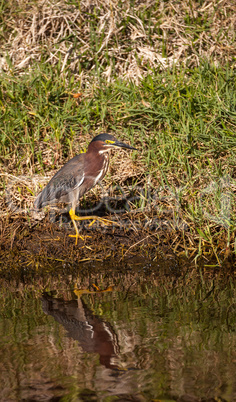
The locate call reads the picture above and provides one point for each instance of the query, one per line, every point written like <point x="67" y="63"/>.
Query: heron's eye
<point x="109" y="142"/>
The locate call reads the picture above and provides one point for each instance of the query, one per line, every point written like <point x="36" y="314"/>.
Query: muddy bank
<point x="27" y="242"/>
<point x="45" y="240"/>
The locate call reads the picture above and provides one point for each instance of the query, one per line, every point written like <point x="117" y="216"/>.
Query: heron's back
<point x="63" y="183"/>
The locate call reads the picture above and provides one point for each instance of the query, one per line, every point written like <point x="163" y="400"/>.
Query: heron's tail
<point x="38" y="202"/>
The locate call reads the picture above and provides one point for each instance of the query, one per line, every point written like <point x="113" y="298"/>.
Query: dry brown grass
<point x="124" y="40"/>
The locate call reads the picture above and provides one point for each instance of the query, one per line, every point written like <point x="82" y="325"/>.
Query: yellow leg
<point x="74" y="217"/>
<point x="77" y="235"/>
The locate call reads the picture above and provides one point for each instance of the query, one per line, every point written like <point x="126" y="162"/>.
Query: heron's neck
<point x="96" y="148"/>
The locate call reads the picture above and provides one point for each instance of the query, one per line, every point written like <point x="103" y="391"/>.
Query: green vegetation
<point x="160" y="75"/>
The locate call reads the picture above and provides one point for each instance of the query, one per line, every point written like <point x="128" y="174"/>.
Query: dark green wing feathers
<point x="70" y="176"/>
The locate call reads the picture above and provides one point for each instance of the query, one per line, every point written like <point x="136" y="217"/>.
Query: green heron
<point x="78" y="176"/>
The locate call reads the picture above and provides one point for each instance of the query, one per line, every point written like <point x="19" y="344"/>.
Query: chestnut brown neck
<point x="97" y="147"/>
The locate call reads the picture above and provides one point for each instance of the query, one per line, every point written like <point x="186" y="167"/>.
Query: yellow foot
<point x="74" y="217"/>
<point x="78" y="236"/>
<point x="97" y="218"/>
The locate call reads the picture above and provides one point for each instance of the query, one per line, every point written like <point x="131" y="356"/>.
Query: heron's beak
<point x="123" y="145"/>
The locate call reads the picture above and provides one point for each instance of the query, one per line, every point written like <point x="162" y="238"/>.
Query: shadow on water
<point x="108" y="333"/>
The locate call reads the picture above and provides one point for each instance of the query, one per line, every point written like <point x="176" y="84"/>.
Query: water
<point x="154" y="335"/>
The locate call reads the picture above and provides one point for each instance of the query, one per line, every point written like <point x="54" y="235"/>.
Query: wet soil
<point x="47" y="239"/>
<point x="27" y="241"/>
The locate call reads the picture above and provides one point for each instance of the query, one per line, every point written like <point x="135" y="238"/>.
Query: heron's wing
<point x="67" y="179"/>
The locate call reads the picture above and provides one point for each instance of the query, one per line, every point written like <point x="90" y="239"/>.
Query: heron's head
<point x="106" y="142"/>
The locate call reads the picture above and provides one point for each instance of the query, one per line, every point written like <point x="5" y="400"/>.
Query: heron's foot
<point x="93" y="218"/>
<point x="77" y="236"/>
<point x="103" y="220"/>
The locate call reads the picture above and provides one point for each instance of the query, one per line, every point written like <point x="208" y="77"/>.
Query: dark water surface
<point x="155" y="335"/>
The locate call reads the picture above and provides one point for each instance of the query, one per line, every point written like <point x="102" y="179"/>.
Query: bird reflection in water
<point x="93" y="334"/>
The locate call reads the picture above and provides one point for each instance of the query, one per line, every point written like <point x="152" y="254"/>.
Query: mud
<point x="28" y="242"/>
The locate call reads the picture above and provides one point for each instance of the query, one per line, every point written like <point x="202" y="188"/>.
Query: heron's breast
<point x="96" y="168"/>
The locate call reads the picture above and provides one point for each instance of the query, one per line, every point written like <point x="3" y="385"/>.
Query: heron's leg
<point x="77" y="235"/>
<point x="92" y="217"/>
<point x="74" y="197"/>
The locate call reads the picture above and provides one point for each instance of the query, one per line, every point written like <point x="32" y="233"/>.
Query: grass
<point x="181" y="118"/>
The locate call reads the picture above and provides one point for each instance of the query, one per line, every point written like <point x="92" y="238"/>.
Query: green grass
<point x="182" y="122"/>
